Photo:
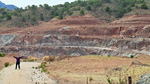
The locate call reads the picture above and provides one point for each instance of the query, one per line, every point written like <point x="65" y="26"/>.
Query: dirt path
<point x="26" y="75"/>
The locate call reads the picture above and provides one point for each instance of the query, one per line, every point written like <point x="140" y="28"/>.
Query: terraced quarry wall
<point x="63" y="38"/>
<point x="44" y="45"/>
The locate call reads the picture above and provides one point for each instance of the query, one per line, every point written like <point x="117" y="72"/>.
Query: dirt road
<point x="26" y="75"/>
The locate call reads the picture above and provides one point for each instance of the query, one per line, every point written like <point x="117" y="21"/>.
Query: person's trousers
<point x="18" y="64"/>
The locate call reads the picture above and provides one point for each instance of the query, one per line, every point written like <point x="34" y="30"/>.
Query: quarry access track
<point x="26" y="75"/>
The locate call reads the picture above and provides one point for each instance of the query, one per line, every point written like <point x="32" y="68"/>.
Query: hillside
<point x="105" y="10"/>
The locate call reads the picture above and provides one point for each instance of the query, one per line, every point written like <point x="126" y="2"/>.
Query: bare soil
<point x="78" y="69"/>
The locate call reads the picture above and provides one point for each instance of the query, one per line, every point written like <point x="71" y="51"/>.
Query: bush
<point x="8" y="17"/>
<point x="69" y="13"/>
<point x="108" y="55"/>
<point x="88" y="8"/>
<point x="23" y="19"/>
<point x="109" y="80"/>
<point x="60" y="16"/>
<point x="41" y="17"/>
<point x="131" y="56"/>
<point x="24" y="60"/>
<point x="129" y="9"/>
<point x="2" y="54"/>
<point x="90" y="79"/>
<point x="82" y="12"/>
<point x="6" y="64"/>
<point x="107" y="9"/>
<point x="50" y="58"/>
<point x="33" y="19"/>
<point x="31" y="60"/>
<point x="143" y="6"/>
<point x="43" y="67"/>
<point x="143" y="40"/>
<point x="44" y="70"/>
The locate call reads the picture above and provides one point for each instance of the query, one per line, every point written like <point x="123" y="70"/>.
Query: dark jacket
<point x="18" y="59"/>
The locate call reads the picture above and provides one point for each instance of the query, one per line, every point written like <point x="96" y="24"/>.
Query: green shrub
<point x="31" y="60"/>
<point x="108" y="55"/>
<point x="131" y="56"/>
<point x="88" y="8"/>
<point x="44" y="70"/>
<point x="143" y="6"/>
<point x="6" y="64"/>
<point x="60" y="16"/>
<point x="109" y="80"/>
<point x="143" y="39"/>
<point x="2" y="54"/>
<point x="43" y="65"/>
<point x="23" y="19"/>
<point x="107" y="9"/>
<point x="82" y="12"/>
<point x="24" y="60"/>
<point x="9" y="17"/>
<point x="41" y="17"/>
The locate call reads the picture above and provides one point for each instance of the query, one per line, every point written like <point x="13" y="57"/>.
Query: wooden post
<point x="130" y="80"/>
<point x="87" y="81"/>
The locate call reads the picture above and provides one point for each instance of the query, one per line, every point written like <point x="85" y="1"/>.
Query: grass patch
<point x="121" y="76"/>
<point x="6" y="64"/>
<point x="24" y="60"/>
<point x="43" y="66"/>
<point x="2" y="54"/>
<point x="143" y="39"/>
<point x="30" y="60"/>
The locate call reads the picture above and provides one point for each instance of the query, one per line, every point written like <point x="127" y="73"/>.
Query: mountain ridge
<point x="11" y="7"/>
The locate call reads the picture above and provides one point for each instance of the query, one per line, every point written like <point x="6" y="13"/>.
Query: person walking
<point x="18" y="61"/>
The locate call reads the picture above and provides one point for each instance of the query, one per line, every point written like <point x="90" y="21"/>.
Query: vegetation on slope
<point x="102" y="9"/>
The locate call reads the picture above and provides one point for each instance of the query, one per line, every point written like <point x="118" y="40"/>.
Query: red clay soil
<point x="88" y="25"/>
<point x="81" y="20"/>
<point x="134" y="20"/>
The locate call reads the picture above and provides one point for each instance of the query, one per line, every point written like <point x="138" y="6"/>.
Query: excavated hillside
<point x="80" y="35"/>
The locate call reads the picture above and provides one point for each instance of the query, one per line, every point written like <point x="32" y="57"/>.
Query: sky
<point x="24" y="3"/>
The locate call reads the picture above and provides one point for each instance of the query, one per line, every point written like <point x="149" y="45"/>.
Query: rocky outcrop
<point x="56" y="44"/>
<point x="6" y="39"/>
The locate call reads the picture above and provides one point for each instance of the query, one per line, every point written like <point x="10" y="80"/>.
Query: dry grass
<point x="78" y="69"/>
<point x="49" y="58"/>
